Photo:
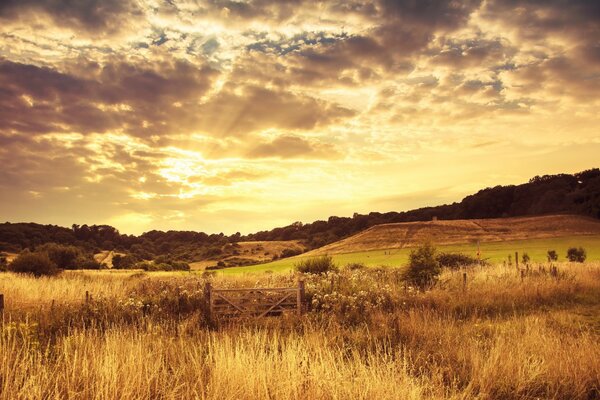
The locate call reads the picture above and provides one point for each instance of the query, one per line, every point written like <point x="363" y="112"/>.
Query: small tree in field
<point x="423" y="267"/>
<point x="316" y="265"/>
<point x="552" y="255"/>
<point x="576" y="254"/>
<point x="37" y="264"/>
<point x="526" y="258"/>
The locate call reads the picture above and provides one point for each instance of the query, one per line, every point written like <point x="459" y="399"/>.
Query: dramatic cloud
<point x="241" y="115"/>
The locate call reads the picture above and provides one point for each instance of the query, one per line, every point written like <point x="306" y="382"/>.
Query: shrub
<point x="355" y="266"/>
<point x="3" y="263"/>
<point x="455" y="260"/>
<point x="37" y="264"/>
<point x="65" y="257"/>
<point x="576" y="254"/>
<point x="290" y="253"/>
<point x="316" y="265"/>
<point x="123" y="262"/>
<point x="88" y="263"/>
<point x="423" y="267"/>
<point x="164" y="266"/>
<point x="526" y="258"/>
<point x="552" y="255"/>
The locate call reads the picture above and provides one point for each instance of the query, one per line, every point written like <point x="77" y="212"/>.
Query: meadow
<point x="493" y="252"/>
<point x="365" y="335"/>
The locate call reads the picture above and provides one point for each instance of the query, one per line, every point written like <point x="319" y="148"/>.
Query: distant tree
<point x="526" y="258"/>
<point x="552" y="255"/>
<point x="576" y="254"/>
<point x="423" y="267"/>
<point x="37" y="264"/>
<point x="65" y="257"/>
<point x="455" y="260"/>
<point x="123" y="262"/>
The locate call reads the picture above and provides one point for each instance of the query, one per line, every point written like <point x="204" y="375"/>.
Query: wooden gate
<point x="254" y="302"/>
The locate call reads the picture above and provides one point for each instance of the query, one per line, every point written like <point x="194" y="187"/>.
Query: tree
<point x="526" y="258"/>
<point x="123" y="262"/>
<point x="37" y="264"/>
<point x="552" y="255"/>
<point x="576" y="254"/>
<point x="65" y="257"/>
<point x="423" y="267"/>
<point x="316" y="265"/>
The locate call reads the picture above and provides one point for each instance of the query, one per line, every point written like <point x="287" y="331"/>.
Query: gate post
<point x="208" y="298"/>
<point x="300" y="296"/>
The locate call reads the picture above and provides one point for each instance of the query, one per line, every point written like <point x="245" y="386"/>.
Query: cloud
<point x="97" y="17"/>
<point x="293" y="147"/>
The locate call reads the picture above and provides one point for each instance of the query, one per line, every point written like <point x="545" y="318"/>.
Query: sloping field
<point x="105" y="257"/>
<point x="493" y="252"/>
<point x="254" y="252"/>
<point x="451" y="232"/>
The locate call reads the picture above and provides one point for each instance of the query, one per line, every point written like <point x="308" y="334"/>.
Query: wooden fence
<point x="254" y="302"/>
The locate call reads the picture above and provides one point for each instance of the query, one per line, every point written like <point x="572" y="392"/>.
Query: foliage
<point x="576" y="254"/>
<point x="165" y="265"/>
<point x="64" y="256"/>
<point x="290" y="253"/>
<point x="423" y="267"/>
<point x="525" y="258"/>
<point x="355" y="266"/>
<point x="552" y="255"/>
<point x="37" y="264"/>
<point x="455" y="260"/>
<point x="123" y="262"/>
<point x="3" y="263"/>
<point x="316" y="265"/>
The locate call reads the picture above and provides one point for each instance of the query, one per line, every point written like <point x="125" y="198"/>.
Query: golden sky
<point x="245" y="115"/>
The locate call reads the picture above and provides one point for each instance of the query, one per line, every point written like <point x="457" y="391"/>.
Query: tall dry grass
<point x="367" y="336"/>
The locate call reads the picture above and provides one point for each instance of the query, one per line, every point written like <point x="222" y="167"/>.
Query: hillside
<point x="410" y="234"/>
<point x="543" y="195"/>
<point x="253" y="252"/>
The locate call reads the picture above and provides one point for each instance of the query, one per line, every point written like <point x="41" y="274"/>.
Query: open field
<point x="364" y="336"/>
<point x="494" y="252"/>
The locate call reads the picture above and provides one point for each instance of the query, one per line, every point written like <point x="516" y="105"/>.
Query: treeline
<point x="549" y="194"/>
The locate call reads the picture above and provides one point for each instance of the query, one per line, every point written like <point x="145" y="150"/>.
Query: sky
<point x="227" y="116"/>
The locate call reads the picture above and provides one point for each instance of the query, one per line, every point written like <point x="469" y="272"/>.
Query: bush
<point x="123" y="262"/>
<point x="316" y="265"/>
<point x="88" y="263"/>
<point x="355" y="266"/>
<point x="576" y="254"/>
<point x="37" y="264"/>
<point x="552" y="255"/>
<point x="290" y="253"/>
<point x="526" y="258"/>
<point x="65" y="257"/>
<point x="423" y="267"/>
<point x="164" y="266"/>
<point x="3" y="263"/>
<point x="455" y="260"/>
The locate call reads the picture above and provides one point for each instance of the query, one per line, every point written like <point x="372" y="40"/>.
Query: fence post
<point x="300" y="296"/>
<point x="208" y="298"/>
<point x="1" y="303"/>
<point x="522" y="275"/>
<point x="464" y="281"/>
<point x="517" y="259"/>
<point x="87" y="297"/>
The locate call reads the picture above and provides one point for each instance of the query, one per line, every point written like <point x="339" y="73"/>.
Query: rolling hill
<point x="441" y="232"/>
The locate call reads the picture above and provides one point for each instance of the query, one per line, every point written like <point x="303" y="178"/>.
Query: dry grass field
<point x="453" y="232"/>
<point x="365" y="335"/>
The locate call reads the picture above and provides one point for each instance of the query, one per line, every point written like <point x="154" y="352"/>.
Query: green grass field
<point x="494" y="252"/>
